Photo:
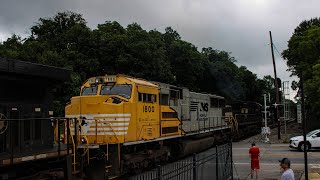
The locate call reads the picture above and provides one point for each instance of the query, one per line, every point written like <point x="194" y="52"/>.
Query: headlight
<point x="83" y="140"/>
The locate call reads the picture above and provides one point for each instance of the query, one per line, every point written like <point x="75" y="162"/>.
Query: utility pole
<point x="277" y="87"/>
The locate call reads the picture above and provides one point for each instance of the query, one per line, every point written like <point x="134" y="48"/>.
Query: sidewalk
<point x="313" y="174"/>
<point x="292" y="130"/>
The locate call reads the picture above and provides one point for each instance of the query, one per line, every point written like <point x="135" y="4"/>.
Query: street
<point x="269" y="156"/>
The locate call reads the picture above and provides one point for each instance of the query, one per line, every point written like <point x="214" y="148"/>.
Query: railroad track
<point x="274" y="125"/>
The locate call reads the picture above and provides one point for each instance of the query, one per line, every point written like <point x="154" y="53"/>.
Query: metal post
<point x="265" y="110"/>
<point x="68" y="168"/>
<point x="68" y="135"/>
<point x="231" y="159"/>
<point x="59" y="142"/>
<point x="265" y="118"/>
<point x="159" y="176"/>
<point x="76" y="128"/>
<point x="217" y="163"/>
<point x="304" y="129"/>
<point x="11" y="140"/>
<point x="194" y="168"/>
<point x="285" y="126"/>
<point x="284" y="107"/>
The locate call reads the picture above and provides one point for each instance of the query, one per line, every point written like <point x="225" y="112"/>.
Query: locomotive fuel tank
<point x="196" y="145"/>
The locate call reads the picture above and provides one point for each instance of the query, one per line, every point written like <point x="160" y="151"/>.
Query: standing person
<point x="287" y="172"/>
<point x="254" y="154"/>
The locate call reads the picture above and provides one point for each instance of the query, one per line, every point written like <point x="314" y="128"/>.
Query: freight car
<point x="247" y="118"/>
<point x="134" y="123"/>
<point x="26" y="132"/>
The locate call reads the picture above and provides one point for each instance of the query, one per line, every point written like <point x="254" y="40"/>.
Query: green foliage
<point x="223" y="73"/>
<point x="312" y="87"/>
<point x="65" y="41"/>
<point x="303" y="59"/>
<point x="10" y="48"/>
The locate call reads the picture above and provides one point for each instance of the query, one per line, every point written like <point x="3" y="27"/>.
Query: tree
<point x="62" y="41"/>
<point x="223" y="73"/>
<point x="302" y="58"/>
<point x="250" y="84"/>
<point x="65" y="41"/>
<point x="11" y="47"/>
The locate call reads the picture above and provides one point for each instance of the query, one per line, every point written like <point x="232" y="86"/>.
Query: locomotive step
<point x="113" y="177"/>
<point x="75" y="172"/>
<point x="90" y="146"/>
<point x="108" y="168"/>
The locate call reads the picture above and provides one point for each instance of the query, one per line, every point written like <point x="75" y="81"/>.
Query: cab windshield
<point x="123" y="90"/>
<point x="89" y="91"/>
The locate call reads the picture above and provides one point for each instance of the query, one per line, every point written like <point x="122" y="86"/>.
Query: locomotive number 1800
<point x="148" y="109"/>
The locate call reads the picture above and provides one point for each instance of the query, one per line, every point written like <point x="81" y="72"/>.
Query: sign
<point x="299" y="115"/>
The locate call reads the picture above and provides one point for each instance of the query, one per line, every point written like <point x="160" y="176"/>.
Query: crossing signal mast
<point x="266" y="130"/>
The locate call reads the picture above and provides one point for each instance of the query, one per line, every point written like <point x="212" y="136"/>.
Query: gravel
<point x="293" y="129"/>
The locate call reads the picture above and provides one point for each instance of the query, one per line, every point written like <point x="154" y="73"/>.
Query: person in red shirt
<point x="254" y="154"/>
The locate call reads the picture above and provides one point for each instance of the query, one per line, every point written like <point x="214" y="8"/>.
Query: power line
<point x="280" y="55"/>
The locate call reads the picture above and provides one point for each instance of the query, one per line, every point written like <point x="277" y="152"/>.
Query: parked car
<point x="313" y="141"/>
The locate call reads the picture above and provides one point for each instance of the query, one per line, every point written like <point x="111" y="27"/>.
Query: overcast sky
<point x="240" y="27"/>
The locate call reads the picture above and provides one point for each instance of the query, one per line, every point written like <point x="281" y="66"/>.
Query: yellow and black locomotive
<point x="134" y="123"/>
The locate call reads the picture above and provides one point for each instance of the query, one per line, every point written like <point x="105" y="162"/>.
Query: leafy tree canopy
<point x="66" y="41"/>
<point x="303" y="59"/>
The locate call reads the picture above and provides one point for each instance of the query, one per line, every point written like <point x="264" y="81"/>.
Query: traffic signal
<point x="279" y="82"/>
<point x="280" y="96"/>
<point x="275" y="113"/>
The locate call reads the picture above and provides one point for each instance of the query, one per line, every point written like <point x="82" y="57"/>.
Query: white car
<point x="313" y="141"/>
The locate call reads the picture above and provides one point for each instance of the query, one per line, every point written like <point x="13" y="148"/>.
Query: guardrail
<point x="215" y="163"/>
<point x="28" y="137"/>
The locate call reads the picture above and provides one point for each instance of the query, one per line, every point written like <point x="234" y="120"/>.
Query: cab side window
<point x="145" y="97"/>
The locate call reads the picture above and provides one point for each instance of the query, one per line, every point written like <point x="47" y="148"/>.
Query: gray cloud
<point x="237" y="26"/>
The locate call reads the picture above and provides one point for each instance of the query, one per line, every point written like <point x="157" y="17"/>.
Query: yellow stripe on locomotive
<point x="120" y="109"/>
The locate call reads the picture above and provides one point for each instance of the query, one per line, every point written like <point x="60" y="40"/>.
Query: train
<point x="118" y="125"/>
<point x="122" y="124"/>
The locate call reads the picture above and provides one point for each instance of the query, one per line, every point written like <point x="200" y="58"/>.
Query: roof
<point x="33" y="69"/>
<point x="141" y="81"/>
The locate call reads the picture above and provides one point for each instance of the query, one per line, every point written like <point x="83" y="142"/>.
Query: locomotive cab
<point x="117" y="109"/>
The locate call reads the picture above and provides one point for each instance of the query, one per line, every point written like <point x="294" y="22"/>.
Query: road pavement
<point x="270" y="154"/>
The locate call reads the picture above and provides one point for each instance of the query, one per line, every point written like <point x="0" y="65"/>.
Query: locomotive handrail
<point x="107" y="155"/>
<point x="233" y="121"/>
<point x="87" y="143"/>
<point x="219" y="120"/>
<point x="236" y="123"/>
<point x="228" y="118"/>
<point x="84" y="136"/>
<point x="74" y="150"/>
<point x="77" y="122"/>
<point x="108" y="123"/>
